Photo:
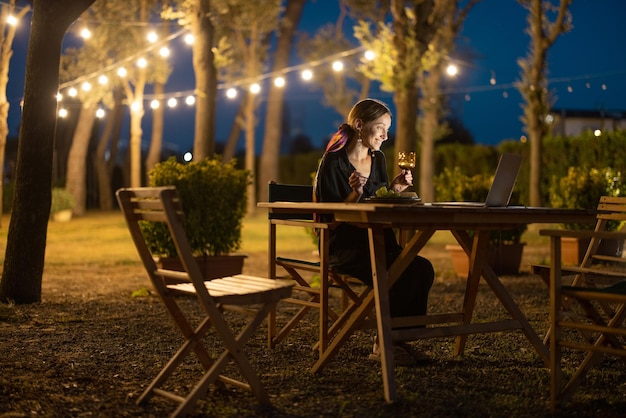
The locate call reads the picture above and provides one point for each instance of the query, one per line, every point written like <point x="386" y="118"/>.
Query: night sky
<point x="587" y="71"/>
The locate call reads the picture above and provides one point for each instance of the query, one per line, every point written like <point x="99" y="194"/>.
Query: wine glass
<point x="406" y="161"/>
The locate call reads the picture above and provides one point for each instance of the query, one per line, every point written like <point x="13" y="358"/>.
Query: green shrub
<point x="582" y="188"/>
<point x="213" y="196"/>
<point x="61" y="200"/>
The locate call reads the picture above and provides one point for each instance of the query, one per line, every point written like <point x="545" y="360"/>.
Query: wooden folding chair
<point x="243" y="292"/>
<point x="587" y="302"/>
<point x="301" y="272"/>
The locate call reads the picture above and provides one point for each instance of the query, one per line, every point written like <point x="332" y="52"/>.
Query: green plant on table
<point x="213" y="196"/>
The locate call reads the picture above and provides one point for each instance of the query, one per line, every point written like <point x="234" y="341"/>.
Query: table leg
<point x="479" y="248"/>
<point x="383" y="316"/>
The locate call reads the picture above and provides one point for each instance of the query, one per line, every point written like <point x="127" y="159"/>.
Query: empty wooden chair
<point x="587" y="302"/>
<point x="249" y="294"/>
<point x="300" y="271"/>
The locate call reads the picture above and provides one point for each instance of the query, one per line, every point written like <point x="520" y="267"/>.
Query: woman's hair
<point x="367" y="110"/>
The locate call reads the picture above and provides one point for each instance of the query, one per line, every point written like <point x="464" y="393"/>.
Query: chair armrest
<point x="564" y="233"/>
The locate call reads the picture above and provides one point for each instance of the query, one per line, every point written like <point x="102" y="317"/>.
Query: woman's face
<point x="375" y="133"/>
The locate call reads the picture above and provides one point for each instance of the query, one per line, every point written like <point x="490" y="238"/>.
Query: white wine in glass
<point x="406" y="160"/>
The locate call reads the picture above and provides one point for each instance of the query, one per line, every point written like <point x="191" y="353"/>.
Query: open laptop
<point x="501" y="186"/>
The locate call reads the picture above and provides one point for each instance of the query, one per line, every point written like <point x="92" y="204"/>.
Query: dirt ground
<point x="99" y="337"/>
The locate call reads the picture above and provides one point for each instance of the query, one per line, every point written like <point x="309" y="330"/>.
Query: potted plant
<point x="61" y="205"/>
<point x="581" y="188"/>
<point x="505" y="246"/>
<point x="213" y="196"/>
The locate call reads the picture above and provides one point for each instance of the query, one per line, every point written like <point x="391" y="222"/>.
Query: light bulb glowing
<point x="172" y="102"/>
<point x="100" y="113"/>
<point x="86" y="86"/>
<point x="279" y="82"/>
<point x="190" y="100"/>
<point x="154" y="104"/>
<point x="62" y="113"/>
<point x="189" y="39"/>
<point x="122" y="72"/>
<point x="370" y="55"/>
<point x="72" y="92"/>
<point x="142" y="62"/>
<point x="85" y="33"/>
<point x="307" y="75"/>
<point x="12" y="20"/>
<point x="164" y="52"/>
<point x="255" y="88"/>
<point x="103" y="80"/>
<point x="135" y="107"/>
<point x="152" y="37"/>
<point x="452" y="70"/>
<point x="337" y="66"/>
<point x="231" y="93"/>
<point x="59" y="97"/>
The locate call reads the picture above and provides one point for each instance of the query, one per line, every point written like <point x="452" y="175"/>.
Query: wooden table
<point x="426" y="220"/>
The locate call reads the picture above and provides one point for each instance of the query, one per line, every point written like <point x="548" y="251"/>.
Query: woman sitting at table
<point x="353" y="167"/>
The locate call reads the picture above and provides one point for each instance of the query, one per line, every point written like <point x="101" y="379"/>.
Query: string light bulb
<point x="172" y="102"/>
<point x="122" y="72"/>
<point x="255" y="88"/>
<point x="152" y="37"/>
<point x="307" y="75"/>
<point x="279" y="82"/>
<point x="337" y="66"/>
<point x="11" y="20"/>
<point x="190" y="100"/>
<point x="85" y="33"/>
<point x="164" y="52"/>
<point x="154" y="104"/>
<point x="231" y="93"/>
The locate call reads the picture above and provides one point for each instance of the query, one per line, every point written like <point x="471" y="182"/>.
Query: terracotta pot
<point x="573" y="249"/>
<point x="62" y="215"/>
<point x="504" y="259"/>
<point x="212" y="266"/>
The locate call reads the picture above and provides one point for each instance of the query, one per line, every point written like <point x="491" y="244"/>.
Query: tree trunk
<point x="26" y="241"/>
<point x="430" y="122"/>
<point x="136" y="115"/>
<point x="103" y="165"/>
<point x="206" y="80"/>
<point x="268" y="167"/>
<point x="250" y="154"/>
<point x="406" y="121"/>
<point x="230" y="148"/>
<point x="76" y="175"/>
<point x="156" y="143"/>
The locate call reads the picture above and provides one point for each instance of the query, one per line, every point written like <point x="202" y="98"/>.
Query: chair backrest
<point x="611" y="210"/>
<point x="159" y="204"/>
<point x="281" y="192"/>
